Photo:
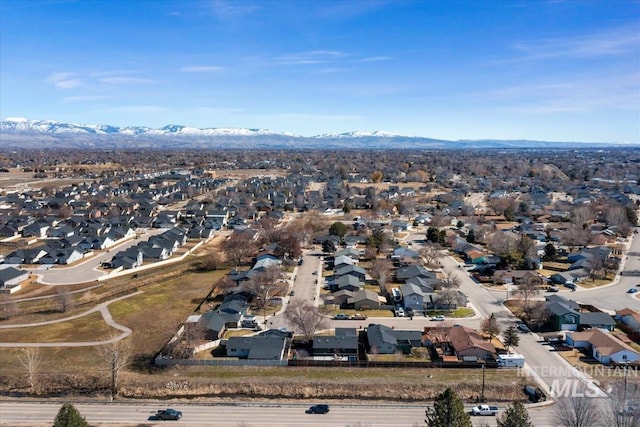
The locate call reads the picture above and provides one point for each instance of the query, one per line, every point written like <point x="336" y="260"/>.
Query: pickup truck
<point x="484" y="410"/>
<point x="167" y="414"/>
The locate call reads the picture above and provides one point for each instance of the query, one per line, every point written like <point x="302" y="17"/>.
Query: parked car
<point x="553" y="289"/>
<point x="570" y="285"/>
<point x="168" y="414"/>
<point x="534" y="394"/>
<point x="632" y="291"/>
<point x="523" y="327"/>
<point x="399" y="312"/>
<point x="318" y="409"/>
<point x="359" y="316"/>
<point x="438" y="318"/>
<point x="341" y="316"/>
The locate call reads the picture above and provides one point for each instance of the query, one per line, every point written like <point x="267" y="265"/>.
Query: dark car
<point x="318" y="409"/>
<point x="522" y="327"/>
<point x="168" y="414"/>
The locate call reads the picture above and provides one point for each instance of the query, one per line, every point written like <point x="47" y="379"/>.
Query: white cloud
<point x="82" y="98"/>
<point x="135" y="109"/>
<point x="201" y="69"/>
<point x="64" y="80"/>
<point x="606" y="43"/>
<point x="117" y="80"/>
<point x="311" y="57"/>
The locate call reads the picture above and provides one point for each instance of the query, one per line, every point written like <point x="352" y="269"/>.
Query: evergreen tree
<point x="68" y="416"/>
<point x="511" y="337"/>
<point x="328" y="246"/>
<point x="338" y="229"/>
<point x="471" y="236"/>
<point x="515" y="416"/>
<point x="550" y="252"/>
<point x="447" y="411"/>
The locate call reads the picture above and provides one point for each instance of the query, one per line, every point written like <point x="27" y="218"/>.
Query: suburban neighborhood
<point x="354" y="271"/>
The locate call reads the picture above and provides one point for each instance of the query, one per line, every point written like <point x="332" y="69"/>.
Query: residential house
<point x="382" y="339"/>
<point x="343" y="343"/>
<point x="348" y="283"/>
<point x="257" y="347"/>
<point x="468" y="344"/>
<point x="604" y="347"/>
<point x="598" y="320"/>
<point x="405" y="273"/>
<point x="565" y="314"/>
<point x="352" y="270"/>
<point x="11" y="279"/>
<point x="343" y="261"/>
<point x="517" y="277"/>
<point x="412" y="296"/>
<point x="630" y="319"/>
<point x="365" y="299"/>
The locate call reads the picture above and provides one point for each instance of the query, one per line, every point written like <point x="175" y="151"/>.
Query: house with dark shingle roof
<point x="10" y="279"/>
<point x="259" y="347"/>
<point x="343" y="343"/>
<point x="385" y="340"/>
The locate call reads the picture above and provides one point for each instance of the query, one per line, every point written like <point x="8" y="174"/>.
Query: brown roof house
<point x="605" y="348"/>
<point x="468" y="344"/>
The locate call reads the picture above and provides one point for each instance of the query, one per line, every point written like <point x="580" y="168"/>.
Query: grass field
<point x="169" y="295"/>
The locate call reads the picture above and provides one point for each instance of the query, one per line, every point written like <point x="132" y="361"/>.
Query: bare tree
<point x="430" y="253"/>
<point x="621" y="410"/>
<point x="238" y="247"/>
<point x="450" y="281"/>
<point x="582" y="215"/>
<point x="449" y="296"/>
<point x="490" y="327"/>
<point x="8" y="308"/>
<point x="31" y="359"/>
<point x="527" y="290"/>
<point x="267" y="283"/>
<point x="381" y="271"/>
<point x="306" y="317"/>
<point x="115" y="355"/>
<point x="576" y="236"/>
<point x="270" y="231"/>
<point x="577" y="412"/>
<point x="65" y="299"/>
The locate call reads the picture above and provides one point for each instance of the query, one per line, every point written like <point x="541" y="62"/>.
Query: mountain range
<point x="23" y="134"/>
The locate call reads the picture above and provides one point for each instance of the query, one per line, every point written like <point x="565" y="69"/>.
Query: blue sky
<point x="506" y="69"/>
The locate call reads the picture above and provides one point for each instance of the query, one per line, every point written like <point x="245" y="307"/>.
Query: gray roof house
<point x="364" y="299"/>
<point x="385" y="340"/>
<point x="10" y="279"/>
<point x="257" y="347"/>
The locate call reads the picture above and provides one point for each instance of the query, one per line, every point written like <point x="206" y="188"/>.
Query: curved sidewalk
<point x="106" y="316"/>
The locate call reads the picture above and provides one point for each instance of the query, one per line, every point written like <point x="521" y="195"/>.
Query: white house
<point x="605" y="348"/>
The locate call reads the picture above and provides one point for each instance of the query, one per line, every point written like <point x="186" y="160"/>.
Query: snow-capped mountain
<point x="16" y="133"/>
<point x="48" y="126"/>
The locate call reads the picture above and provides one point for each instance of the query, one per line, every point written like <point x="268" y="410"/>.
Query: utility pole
<point x="482" y="390"/>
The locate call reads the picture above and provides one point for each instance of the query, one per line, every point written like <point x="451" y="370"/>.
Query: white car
<point x="438" y="318"/>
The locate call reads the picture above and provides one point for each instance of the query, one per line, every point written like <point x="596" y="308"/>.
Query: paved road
<point x="265" y="414"/>
<point x="86" y="270"/>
